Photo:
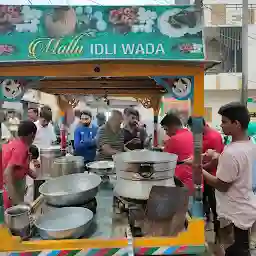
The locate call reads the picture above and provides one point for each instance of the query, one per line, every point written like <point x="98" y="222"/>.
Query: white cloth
<point x="6" y="134"/>
<point x="28" y="198"/>
<point x="72" y="128"/>
<point x="235" y="166"/>
<point x="45" y="136"/>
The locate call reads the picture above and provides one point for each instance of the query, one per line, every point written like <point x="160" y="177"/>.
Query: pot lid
<point x="100" y="165"/>
<point x="145" y="156"/>
<point x="51" y="148"/>
<point x="69" y="159"/>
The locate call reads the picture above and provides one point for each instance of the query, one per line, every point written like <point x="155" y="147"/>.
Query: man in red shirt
<point x="181" y="144"/>
<point x="211" y="140"/>
<point x="15" y="164"/>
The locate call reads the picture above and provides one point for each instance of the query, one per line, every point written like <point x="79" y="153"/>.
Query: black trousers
<point x="209" y="201"/>
<point x="73" y="144"/>
<point x="240" y="247"/>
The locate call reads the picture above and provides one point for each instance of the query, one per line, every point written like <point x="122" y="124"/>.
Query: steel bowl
<point x="71" y="190"/>
<point x="64" y="223"/>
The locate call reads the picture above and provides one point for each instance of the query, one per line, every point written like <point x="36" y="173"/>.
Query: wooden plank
<point x="96" y="84"/>
<point x="96" y="91"/>
<point x="111" y="68"/>
<point x="100" y="79"/>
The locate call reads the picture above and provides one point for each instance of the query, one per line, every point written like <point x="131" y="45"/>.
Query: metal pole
<point x="244" y="89"/>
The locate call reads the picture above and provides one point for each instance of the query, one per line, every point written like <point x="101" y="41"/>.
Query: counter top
<point x="105" y="224"/>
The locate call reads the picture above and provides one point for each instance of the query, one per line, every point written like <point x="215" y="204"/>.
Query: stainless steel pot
<point x="138" y="171"/>
<point x="64" y="223"/>
<point x="67" y="165"/>
<point x="47" y="157"/>
<point x="17" y="218"/>
<point x="70" y="190"/>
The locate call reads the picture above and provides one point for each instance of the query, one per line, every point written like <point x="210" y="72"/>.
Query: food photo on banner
<point x="13" y="88"/>
<point x="52" y="33"/>
<point x="180" y="88"/>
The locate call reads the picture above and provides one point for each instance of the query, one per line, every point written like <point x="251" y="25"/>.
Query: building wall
<point x="252" y="56"/>
<point x="227" y="2"/>
<point x="215" y="99"/>
<point x="223" y="13"/>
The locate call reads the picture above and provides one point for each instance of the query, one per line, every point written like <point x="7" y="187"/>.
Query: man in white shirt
<point x="6" y="134"/>
<point x="235" y="195"/>
<point x="73" y="126"/>
<point x="45" y="135"/>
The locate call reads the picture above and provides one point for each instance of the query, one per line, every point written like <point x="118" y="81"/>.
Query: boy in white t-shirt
<point x="236" y="201"/>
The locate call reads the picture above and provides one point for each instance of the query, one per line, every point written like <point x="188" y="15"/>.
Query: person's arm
<point x="169" y="146"/>
<point x="143" y="137"/>
<point x="6" y="134"/>
<point x="106" y="148"/>
<point x="18" y="159"/>
<point x="104" y="145"/>
<point x="227" y="173"/>
<point x="9" y="182"/>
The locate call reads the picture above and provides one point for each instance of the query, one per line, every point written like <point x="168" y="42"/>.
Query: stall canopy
<point x="102" y="86"/>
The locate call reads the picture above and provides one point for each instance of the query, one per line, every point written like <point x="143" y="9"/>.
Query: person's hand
<point x="36" y="163"/>
<point x="189" y="161"/>
<point x="126" y="149"/>
<point x="210" y="153"/>
<point x="134" y="141"/>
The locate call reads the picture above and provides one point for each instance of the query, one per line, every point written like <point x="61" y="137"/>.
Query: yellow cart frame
<point x="191" y="241"/>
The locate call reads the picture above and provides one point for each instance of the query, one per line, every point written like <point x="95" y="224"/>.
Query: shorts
<point x="232" y="239"/>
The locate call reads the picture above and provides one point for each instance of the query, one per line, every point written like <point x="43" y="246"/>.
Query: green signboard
<point x="59" y="33"/>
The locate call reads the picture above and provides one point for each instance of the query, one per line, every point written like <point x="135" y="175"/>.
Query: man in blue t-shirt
<point x="85" y="137"/>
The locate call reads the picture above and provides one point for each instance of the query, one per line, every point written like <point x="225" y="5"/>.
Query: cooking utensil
<point x="137" y="171"/>
<point x="47" y="157"/>
<point x="101" y="167"/>
<point x="165" y="215"/>
<point x="73" y="189"/>
<point x="67" y="165"/>
<point x="64" y="223"/>
<point x="147" y="156"/>
<point x="17" y="218"/>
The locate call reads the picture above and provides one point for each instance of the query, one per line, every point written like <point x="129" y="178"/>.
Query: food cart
<point x="141" y="52"/>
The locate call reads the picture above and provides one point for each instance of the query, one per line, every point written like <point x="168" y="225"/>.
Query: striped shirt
<point x="114" y="139"/>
